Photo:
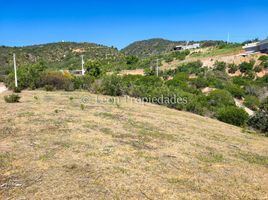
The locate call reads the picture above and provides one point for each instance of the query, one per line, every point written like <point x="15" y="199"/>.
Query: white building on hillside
<point x="185" y="47"/>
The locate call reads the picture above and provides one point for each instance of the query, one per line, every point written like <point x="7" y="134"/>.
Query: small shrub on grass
<point x="82" y="106"/>
<point x="13" y="98"/>
<point x="17" y="90"/>
<point x="49" y="88"/>
<point x="233" y="115"/>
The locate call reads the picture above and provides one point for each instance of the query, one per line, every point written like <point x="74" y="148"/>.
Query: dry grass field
<point x="52" y="147"/>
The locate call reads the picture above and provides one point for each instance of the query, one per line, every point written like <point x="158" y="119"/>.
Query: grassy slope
<point x="216" y="52"/>
<point x="50" y="148"/>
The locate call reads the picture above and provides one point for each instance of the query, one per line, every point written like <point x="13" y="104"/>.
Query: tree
<point x="93" y="68"/>
<point x="131" y="60"/>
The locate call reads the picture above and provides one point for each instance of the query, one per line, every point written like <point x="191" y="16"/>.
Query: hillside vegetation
<point x="57" y="55"/>
<point x="64" y="145"/>
<point x="158" y="46"/>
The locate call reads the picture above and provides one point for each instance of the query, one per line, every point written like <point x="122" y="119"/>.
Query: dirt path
<point x="240" y="105"/>
<point x="3" y="88"/>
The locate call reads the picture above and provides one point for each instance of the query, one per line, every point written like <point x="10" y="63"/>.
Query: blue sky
<point x="119" y="22"/>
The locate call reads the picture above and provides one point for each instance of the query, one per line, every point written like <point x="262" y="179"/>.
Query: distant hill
<point x="149" y="47"/>
<point x="157" y="46"/>
<point x="62" y="54"/>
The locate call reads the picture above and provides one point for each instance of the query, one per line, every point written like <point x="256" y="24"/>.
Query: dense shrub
<point x="217" y="79"/>
<point x="258" y="68"/>
<point x="246" y="67"/>
<point x="55" y="79"/>
<point x="260" y="119"/>
<point x="13" y="98"/>
<point x="235" y="90"/>
<point x="232" y="68"/>
<point x="233" y="115"/>
<point x="263" y="58"/>
<point x="28" y="76"/>
<point x="49" y="88"/>
<point x="93" y="68"/>
<point x="83" y="82"/>
<point x="111" y="85"/>
<point x="252" y="102"/>
<point x="221" y="66"/>
<point x="191" y="68"/>
<point x="130" y="60"/>
<point x="200" y="82"/>
<point x="220" y="98"/>
<point x="260" y="122"/>
<point x="17" y="89"/>
<point x="242" y="81"/>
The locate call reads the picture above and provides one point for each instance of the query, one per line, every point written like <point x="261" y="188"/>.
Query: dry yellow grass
<point x="51" y="147"/>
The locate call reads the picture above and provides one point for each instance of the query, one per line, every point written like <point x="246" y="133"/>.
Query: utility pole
<point x="82" y="62"/>
<point x="228" y="38"/>
<point x="15" y="70"/>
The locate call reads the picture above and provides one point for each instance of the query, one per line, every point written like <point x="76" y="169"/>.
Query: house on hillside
<point x="185" y="47"/>
<point x="261" y="46"/>
<point x="264" y="46"/>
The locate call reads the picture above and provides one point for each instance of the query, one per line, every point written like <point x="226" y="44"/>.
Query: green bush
<point x="200" y="82"/>
<point x="49" y="88"/>
<point x="232" y="68"/>
<point x="258" y="68"/>
<point x="220" y="66"/>
<point x="242" y="81"/>
<point x="55" y="79"/>
<point x="220" y="98"/>
<point x="17" y="90"/>
<point x="28" y="76"/>
<point x="263" y="58"/>
<point x="246" y="67"/>
<point x="191" y="68"/>
<point x="111" y="85"/>
<point x="233" y="115"/>
<point x="130" y="60"/>
<point x="252" y="102"/>
<point x="260" y="122"/>
<point x="13" y="98"/>
<point x="93" y="68"/>
<point x="235" y="90"/>
<point x="260" y="119"/>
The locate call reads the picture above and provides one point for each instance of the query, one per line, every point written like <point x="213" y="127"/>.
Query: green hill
<point x="58" y="55"/>
<point x="157" y="46"/>
<point x="149" y="47"/>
